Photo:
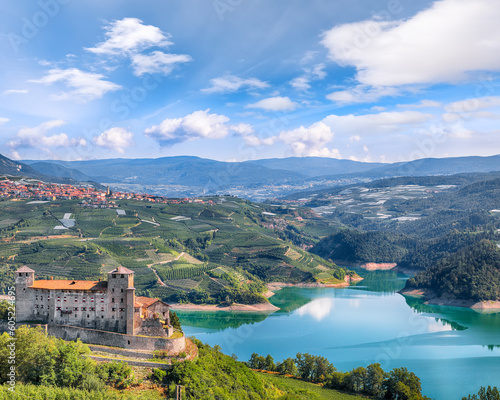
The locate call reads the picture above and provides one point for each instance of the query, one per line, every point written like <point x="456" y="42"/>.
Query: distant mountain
<point x="16" y="168"/>
<point x="182" y="170"/>
<point x="440" y="166"/>
<point x="316" y="166"/>
<point x="58" y="170"/>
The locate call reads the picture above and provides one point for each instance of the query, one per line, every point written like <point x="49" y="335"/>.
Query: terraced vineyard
<point x="221" y="250"/>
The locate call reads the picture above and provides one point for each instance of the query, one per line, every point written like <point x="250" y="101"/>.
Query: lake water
<point x="454" y="351"/>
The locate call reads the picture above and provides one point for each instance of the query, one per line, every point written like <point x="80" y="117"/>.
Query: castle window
<point x="27" y="274"/>
<point x="113" y="309"/>
<point x="58" y="308"/>
<point x="91" y="299"/>
<point x="36" y="305"/>
<point x="113" y="300"/>
<point x="122" y="309"/>
<point x="41" y="306"/>
<point x="102" y="299"/>
<point x="102" y="316"/>
<point x="123" y="276"/>
<point x="84" y="300"/>
<point x="113" y="290"/>
<point x="75" y="308"/>
<point x="114" y="276"/>
<point x="64" y="298"/>
<point x="84" y="308"/>
<point x="76" y="299"/>
<point x="41" y="298"/>
<point x="58" y="298"/>
<point x="36" y="297"/>
<point x="122" y="290"/>
<point x="102" y="309"/>
<point x="88" y="316"/>
<point x="121" y="300"/>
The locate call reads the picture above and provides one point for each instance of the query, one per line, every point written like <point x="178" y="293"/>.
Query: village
<point x="18" y="189"/>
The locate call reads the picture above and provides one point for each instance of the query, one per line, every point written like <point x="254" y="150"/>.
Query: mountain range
<point x="210" y="176"/>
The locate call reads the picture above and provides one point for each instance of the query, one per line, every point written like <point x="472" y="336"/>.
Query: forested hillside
<point x="472" y="273"/>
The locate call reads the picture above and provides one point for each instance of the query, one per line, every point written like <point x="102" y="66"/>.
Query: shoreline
<point x="430" y="297"/>
<point x="267" y="307"/>
<point x="257" y="308"/>
<point x="371" y="266"/>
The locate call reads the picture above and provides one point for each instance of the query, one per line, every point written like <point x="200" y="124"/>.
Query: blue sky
<point x="233" y="80"/>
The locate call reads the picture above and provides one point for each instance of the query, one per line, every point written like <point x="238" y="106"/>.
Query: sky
<point x="234" y="80"/>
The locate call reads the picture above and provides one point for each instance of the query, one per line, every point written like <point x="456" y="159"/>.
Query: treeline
<point x="472" y="273"/>
<point x="490" y="393"/>
<point x="349" y="245"/>
<point x="398" y="384"/>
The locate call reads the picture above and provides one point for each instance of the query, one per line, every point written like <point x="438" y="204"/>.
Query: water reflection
<point x="383" y="282"/>
<point x="318" y="309"/>
<point x="218" y="321"/>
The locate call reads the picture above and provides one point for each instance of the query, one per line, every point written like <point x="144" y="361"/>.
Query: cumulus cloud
<point x="277" y="103"/>
<point x="84" y="86"/>
<point x="310" y="141"/>
<point x="130" y="35"/>
<point x="247" y="133"/>
<point x="37" y="137"/>
<point x="157" y="62"/>
<point x="444" y="43"/>
<point x="199" y="124"/>
<point x="231" y="83"/>
<point x="131" y="38"/>
<point x="473" y="108"/>
<point x="115" y="138"/>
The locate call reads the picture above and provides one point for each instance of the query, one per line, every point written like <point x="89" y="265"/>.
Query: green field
<point x="177" y="243"/>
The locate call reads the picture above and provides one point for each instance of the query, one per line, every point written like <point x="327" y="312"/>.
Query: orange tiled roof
<point x="143" y="301"/>
<point x="69" y="284"/>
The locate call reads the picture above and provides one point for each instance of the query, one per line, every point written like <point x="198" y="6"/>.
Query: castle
<point x="97" y="312"/>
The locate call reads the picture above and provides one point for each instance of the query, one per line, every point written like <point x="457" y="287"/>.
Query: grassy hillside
<point x="221" y="250"/>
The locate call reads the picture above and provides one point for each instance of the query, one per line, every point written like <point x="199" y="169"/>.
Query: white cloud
<point x="231" y="83"/>
<point x="315" y="73"/>
<point x="310" y="141"/>
<point x="86" y="86"/>
<point x="4" y="120"/>
<point x="444" y="43"/>
<point x="247" y="133"/>
<point x="199" y="124"/>
<point x="355" y="138"/>
<point x="375" y="123"/>
<point x="275" y="104"/>
<point x="14" y="91"/>
<point x="115" y="138"/>
<point x="360" y="94"/>
<point x="473" y="104"/>
<point x="36" y="137"/>
<point x="157" y="62"/>
<point x="130" y="35"/>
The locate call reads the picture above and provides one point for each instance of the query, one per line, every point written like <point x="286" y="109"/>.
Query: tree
<point x="305" y="365"/>
<point x="174" y="320"/>
<point x="403" y="385"/>
<point x="287" y="367"/>
<point x="270" y="365"/>
<point x="375" y="376"/>
<point x="492" y="393"/>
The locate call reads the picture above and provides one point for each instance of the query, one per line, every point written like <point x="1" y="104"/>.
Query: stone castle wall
<point x="94" y="336"/>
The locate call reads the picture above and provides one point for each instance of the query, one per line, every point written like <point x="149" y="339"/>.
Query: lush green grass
<point x="300" y="390"/>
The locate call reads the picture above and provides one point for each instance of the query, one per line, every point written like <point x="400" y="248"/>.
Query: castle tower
<point x="24" y="305"/>
<point x="121" y="298"/>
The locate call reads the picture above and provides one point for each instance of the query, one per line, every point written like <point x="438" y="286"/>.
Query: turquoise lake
<point x="454" y="351"/>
